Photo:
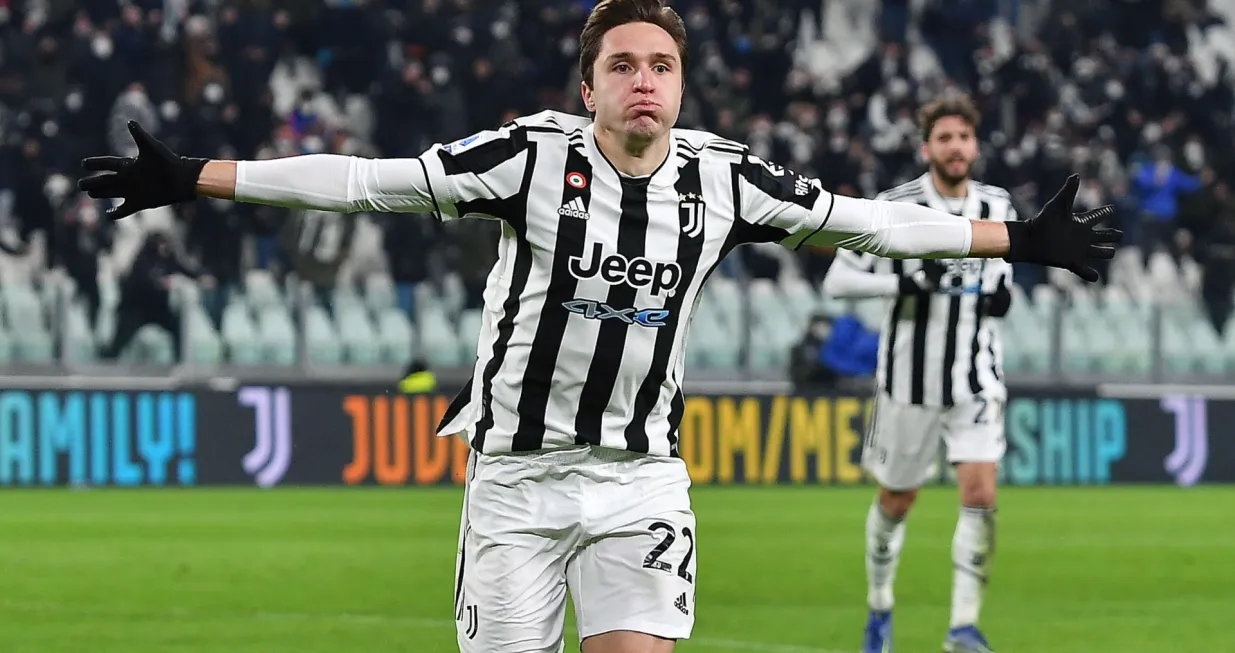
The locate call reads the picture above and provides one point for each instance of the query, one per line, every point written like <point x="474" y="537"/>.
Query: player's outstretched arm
<point x="1056" y="237"/>
<point x="326" y="182"/>
<point x="851" y="276"/>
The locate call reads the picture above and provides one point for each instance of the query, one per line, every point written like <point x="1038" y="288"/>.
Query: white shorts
<point x="615" y="527"/>
<point x="902" y="443"/>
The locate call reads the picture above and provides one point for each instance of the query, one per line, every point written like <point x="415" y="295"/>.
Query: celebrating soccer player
<point x="939" y="376"/>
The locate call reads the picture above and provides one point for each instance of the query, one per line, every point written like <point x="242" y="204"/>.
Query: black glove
<point x="157" y="177"/>
<point x="998" y="303"/>
<point x="924" y="281"/>
<point x="1061" y="239"/>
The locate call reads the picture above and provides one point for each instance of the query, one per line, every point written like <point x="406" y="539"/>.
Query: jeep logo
<point x="638" y="272"/>
<point x="962" y="266"/>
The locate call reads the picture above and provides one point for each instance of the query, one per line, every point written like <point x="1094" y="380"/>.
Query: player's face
<point x="637" y="84"/>
<point x="951" y="149"/>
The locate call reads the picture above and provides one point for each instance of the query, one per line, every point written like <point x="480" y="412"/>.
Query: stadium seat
<point x="871" y="312"/>
<point x="773" y="334"/>
<point x="801" y="302"/>
<point x="832" y="306"/>
<point x="428" y="302"/>
<point x="1190" y="343"/>
<point x="1024" y="348"/>
<point x="32" y="342"/>
<point x="261" y="290"/>
<point x="153" y="345"/>
<point x="345" y="299"/>
<point x="358" y="336"/>
<point x="726" y="298"/>
<point x="453" y="294"/>
<point x="1228" y="344"/>
<point x="240" y="334"/>
<point x="1130" y="329"/>
<point x="323" y="345"/>
<point x="277" y="335"/>
<point x="109" y="302"/>
<point x="379" y="292"/>
<point x="1164" y="277"/>
<point x="397" y="337"/>
<point x="6" y="346"/>
<point x="713" y="346"/>
<point x="1190" y="275"/>
<point x="469" y="332"/>
<point x="205" y="346"/>
<point x="439" y="338"/>
<point x="185" y="294"/>
<point x="79" y="344"/>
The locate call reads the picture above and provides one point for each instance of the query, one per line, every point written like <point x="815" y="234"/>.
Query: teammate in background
<point x="939" y="377"/>
<point x="611" y="225"/>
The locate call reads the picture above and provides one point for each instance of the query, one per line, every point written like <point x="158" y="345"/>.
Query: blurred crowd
<point x="1106" y="88"/>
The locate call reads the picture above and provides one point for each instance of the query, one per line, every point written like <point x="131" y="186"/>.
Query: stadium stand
<point x="1136" y="95"/>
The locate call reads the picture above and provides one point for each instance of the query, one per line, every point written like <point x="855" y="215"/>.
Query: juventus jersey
<point x="588" y="307"/>
<point x="943" y="350"/>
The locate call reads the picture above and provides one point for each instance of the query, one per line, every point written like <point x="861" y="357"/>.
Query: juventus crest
<point x="691" y="209"/>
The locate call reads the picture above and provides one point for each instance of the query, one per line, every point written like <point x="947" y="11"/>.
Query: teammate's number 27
<point x="652" y="559"/>
<point x="988" y="411"/>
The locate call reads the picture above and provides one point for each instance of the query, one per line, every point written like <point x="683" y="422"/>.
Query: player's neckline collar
<point x="660" y="177"/>
<point x="945" y="203"/>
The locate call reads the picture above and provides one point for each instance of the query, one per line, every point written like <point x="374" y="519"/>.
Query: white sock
<point x="885" y="536"/>
<point x="972" y="548"/>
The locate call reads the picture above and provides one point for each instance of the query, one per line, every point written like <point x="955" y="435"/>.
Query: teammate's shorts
<point x="901" y="451"/>
<point x="615" y="527"/>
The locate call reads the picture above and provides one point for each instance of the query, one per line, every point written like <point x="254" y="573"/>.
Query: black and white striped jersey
<point x="587" y="309"/>
<point x="942" y="351"/>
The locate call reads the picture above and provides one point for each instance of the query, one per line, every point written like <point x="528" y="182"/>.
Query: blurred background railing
<point x="1155" y="327"/>
<point x="1138" y="96"/>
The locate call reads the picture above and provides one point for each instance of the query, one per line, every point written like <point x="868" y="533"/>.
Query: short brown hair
<point x="960" y="107"/>
<point x="609" y="14"/>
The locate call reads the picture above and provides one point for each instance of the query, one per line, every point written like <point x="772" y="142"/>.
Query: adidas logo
<point x="680" y="604"/>
<point x="574" y="209"/>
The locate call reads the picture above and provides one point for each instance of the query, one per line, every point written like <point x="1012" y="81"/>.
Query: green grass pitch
<point x="1133" y="570"/>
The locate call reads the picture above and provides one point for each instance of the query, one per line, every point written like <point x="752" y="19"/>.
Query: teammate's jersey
<point x="942" y="351"/>
<point x="587" y="309"/>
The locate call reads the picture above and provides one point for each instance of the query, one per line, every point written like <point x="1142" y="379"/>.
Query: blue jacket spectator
<point x="851" y="349"/>
<point x="1160" y="186"/>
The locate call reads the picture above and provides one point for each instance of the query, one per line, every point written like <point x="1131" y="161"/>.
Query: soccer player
<point x="611" y="225"/>
<point x="939" y="376"/>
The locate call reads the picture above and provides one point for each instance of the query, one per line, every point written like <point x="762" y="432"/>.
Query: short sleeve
<point x="780" y="205"/>
<point x="478" y="174"/>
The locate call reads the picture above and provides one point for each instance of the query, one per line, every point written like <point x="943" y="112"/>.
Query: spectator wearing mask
<point x="145" y="295"/>
<point x="83" y="238"/>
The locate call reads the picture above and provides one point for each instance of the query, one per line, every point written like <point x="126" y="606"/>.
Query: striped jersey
<point x="587" y="310"/>
<point x="942" y="351"/>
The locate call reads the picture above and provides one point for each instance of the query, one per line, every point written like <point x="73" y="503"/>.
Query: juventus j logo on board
<point x="690" y="212"/>
<point x="1188" y="461"/>
<point x="271" y="455"/>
